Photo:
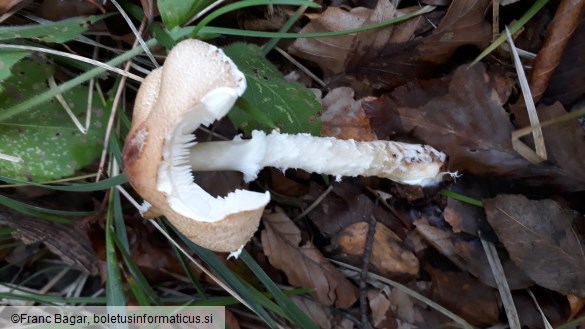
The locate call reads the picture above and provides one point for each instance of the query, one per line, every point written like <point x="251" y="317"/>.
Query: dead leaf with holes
<point x="304" y="265"/>
<point x="541" y="240"/>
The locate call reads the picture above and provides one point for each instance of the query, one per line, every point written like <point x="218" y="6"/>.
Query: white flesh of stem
<point x="404" y="163"/>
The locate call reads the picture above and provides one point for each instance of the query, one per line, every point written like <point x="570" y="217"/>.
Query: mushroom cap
<point x="197" y="85"/>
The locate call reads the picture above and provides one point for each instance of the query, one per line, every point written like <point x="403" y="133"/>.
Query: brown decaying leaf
<point x="346" y="205"/>
<point x="70" y="242"/>
<point x="567" y="18"/>
<point x="565" y="143"/>
<point x="462" y="115"/>
<point x="468" y="255"/>
<point x="323" y="316"/>
<point x="389" y="256"/>
<point x="381" y="309"/>
<point x="464" y="217"/>
<point x="577" y="304"/>
<point x="344" y="118"/>
<point x="464" y="24"/>
<point x="315" y="311"/>
<point x="529" y="315"/>
<point x="304" y="265"/>
<point x="540" y="239"/>
<point x="567" y="85"/>
<point x="6" y="5"/>
<point x="330" y="53"/>
<point x="61" y="9"/>
<point x="231" y="321"/>
<point x="466" y="297"/>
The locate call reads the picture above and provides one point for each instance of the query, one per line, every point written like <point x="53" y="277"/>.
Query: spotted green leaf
<point x="8" y="58"/>
<point x="271" y="101"/>
<point x="46" y="138"/>
<point x="60" y="31"/>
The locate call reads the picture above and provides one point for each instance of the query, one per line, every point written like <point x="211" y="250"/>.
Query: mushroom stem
<point x="404" y="163"/>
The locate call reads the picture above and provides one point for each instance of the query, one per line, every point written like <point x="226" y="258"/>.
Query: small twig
<point x="302" y="68"/>
<point x="314" y="204"/>
<point x="365" y="322"/>
<point x="113" y="112"/>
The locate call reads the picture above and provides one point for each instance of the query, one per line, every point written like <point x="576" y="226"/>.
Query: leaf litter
<point x="411" y="82"/>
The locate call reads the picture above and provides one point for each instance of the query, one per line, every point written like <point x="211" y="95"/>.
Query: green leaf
<point x="178" y="12"/>
<point x="46" y="137"/>
<point x="61" y="31"/>
<point x="271" y="100"/>
<point x="9" y="57"/>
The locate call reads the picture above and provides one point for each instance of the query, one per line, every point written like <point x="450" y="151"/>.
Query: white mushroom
<point x="197" y="85"/>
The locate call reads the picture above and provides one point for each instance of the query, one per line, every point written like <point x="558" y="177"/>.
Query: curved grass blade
<point x="292" y="312"/>
<point x="88" y="187"/>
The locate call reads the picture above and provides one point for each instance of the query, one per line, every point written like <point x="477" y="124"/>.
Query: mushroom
<point x="197" y="85"/>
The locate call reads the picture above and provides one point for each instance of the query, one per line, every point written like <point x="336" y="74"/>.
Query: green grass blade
<point x="293" y="313"/>
<point x="189" y="271"/>
<point x="114" y="285"/>
<point x="86" y="187"/>
<point x="230" y="278"/>
<point x="18" y="205"/>
<point x="462" y="198"/>
<point x="247" y="3"/>
<point x="261" y="34"/>
<point x="536" y="7"/>
<point x="139" y="280"/>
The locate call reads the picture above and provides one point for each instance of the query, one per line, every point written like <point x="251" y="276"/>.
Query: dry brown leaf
<point x="576" y="303"/>
<point x="344" y="118"/>
<point x="565" y="143"/>
<point x="464" y="217"/>
<point x="330" y="53"/>
<point x="304" y="265"/>
<point x="346" y="205"/>
<point x="466" y="297"/>
<point x="567" y="18"/>
<point x="389" y="256"/>
<point x="540" y="239"/>
<point x="468" y="255"/>
<point x="529" y="315"/>
<point x="231" y="321"/>
<point x="322" y="315"/>
<point x="462" y="115"/>
<point x="397" y="63"/>
<point x="566" y="85"/>
<point x="381" y="309"/>
<point x="6" y="5"/>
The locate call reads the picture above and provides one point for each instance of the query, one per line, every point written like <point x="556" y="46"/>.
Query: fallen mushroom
<point x="197" y="85"/>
